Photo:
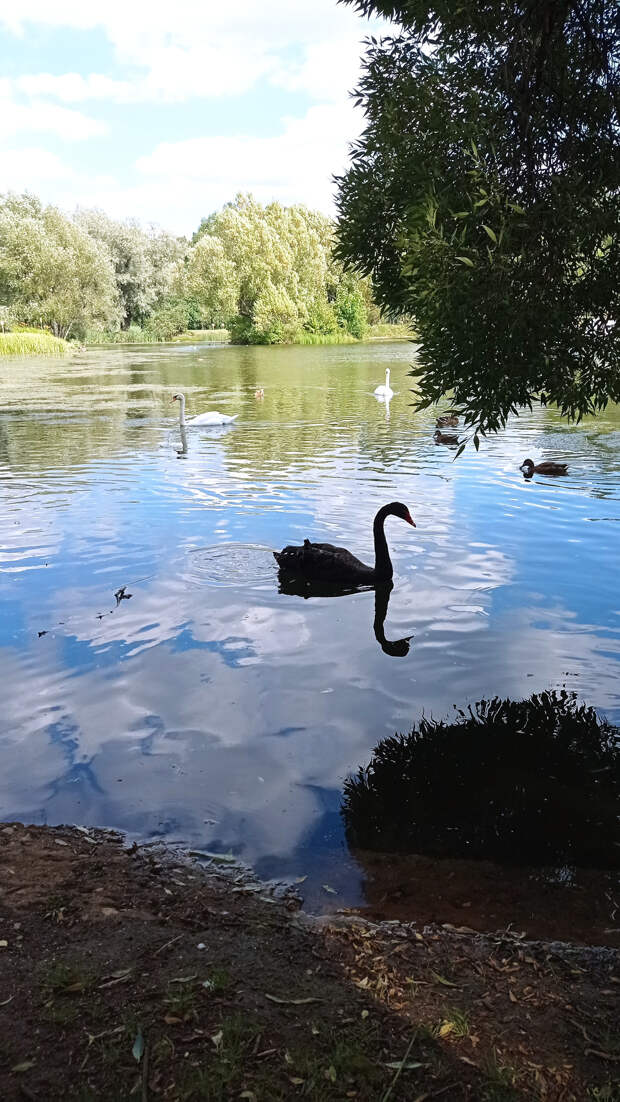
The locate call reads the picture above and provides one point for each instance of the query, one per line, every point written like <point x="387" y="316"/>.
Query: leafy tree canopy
<point x="534" y="781"/>
<point x="144" y="261"/>
<point x="51" y="271"/>
<point x="483" y="198"/>
<point x="268" y="271"/>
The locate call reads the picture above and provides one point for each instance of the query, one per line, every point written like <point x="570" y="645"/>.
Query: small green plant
<point x="67" y="979"/>
<point x="218" y="980"/>
<point x="608" y="1092"/>
<point x="500" y="1080"/>
<point x="456" y="1023"/>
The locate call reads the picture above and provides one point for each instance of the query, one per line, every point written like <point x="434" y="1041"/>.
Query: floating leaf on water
<point x="300" y="879"/>
<point x="138" y="1046"/>
<point x="326" y="888"/>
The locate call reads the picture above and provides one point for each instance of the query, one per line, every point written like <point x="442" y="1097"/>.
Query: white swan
<point x="212" y="418"/>
<point x="385" y="391"/>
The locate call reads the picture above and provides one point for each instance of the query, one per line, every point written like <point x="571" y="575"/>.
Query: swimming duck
<point x="445" y="437"/>
<point x="549" y="466"/>
<point x="447" y="420"/>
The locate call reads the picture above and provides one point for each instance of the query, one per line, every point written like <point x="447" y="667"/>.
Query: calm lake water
<point x="212" y="709"/>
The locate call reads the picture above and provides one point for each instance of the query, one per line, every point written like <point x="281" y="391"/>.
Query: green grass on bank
<point x="386" y="331"/>
<point x="303" y="337"/>
<point x="137" y="335"/>
<point x="32" y="344"/>
<point x="191" y="336"/>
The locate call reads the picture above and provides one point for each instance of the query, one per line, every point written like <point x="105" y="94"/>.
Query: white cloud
<point x="46" y="118"/>
<point x="202" y="49"/>
<point x="73" y="87"/>
<point x="194" y="50"/>
<point x="21" y="166"/>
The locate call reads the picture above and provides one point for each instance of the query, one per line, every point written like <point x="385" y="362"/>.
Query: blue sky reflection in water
<point x="211" y="708"/>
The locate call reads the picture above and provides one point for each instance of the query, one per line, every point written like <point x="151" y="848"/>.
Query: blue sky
<point x="164" y="111"/>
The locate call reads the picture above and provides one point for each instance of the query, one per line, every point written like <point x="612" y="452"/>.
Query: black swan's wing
<point x="322" y="561"/>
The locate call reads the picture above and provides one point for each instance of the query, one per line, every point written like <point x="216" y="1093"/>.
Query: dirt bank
<point x="129" y="974"/>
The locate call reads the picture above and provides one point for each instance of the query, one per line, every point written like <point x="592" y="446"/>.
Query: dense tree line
<point x="266" y="273"/>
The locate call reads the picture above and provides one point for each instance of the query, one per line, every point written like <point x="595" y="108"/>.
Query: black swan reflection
<point x="297" y="587"/>
<point x="322" y="562"/>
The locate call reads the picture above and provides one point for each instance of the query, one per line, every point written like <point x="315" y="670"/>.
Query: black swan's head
<point x="397" y="509"/>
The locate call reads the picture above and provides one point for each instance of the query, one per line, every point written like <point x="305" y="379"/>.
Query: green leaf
<point x="138" y="1046"/>
<point x="466" y="260"/>
<point x="490" y="232"/>
<point x="461" y="214"/>
<point x="476" y="441"/>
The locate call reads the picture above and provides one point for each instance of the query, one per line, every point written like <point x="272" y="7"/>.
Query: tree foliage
<point x="531" y="782"/>
<point x="483" y="198"/>
<point x="268" y="271"/>
<point x="51" y="272"/>
<point x="144" y="261"/>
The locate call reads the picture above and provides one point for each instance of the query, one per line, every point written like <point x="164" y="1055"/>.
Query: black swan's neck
<point x="383" y="562"/>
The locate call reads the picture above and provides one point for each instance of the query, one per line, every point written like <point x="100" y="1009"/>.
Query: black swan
<point x="548" y="467"/>
<point x="324" y="562"/>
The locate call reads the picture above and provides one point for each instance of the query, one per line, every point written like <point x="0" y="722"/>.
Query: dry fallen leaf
<point x="24" y="1066"/>
<point x="442" y="979"/>
<point x="291" y="1002"/>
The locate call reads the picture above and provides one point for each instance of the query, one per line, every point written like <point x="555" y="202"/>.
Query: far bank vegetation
<point x="251" y="273"/>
